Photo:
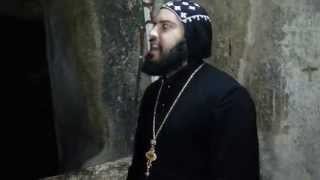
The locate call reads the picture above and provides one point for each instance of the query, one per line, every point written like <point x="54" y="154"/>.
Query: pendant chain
<point x="151" y="155"/>
<point x="155" y="134"/>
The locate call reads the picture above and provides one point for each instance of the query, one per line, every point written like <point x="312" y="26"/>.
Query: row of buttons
<point x="168" y="86"/>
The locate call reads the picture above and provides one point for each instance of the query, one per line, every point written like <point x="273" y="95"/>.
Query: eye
<point x="165" y="26"/>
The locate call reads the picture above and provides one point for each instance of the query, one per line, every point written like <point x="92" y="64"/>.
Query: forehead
<point x="167" y="15"/>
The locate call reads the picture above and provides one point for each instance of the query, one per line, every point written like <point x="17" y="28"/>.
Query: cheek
<point x="166" y="44"/>
<point x="169" y="42"/>
<point x="162" y="43"/>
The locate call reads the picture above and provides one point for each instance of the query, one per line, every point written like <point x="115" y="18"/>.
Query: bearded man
<point x="195" y="122"/>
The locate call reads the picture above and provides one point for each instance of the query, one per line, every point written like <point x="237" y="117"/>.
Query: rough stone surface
<point x="116" y="170"/>
<point x="93" y="51"/>
<point x="269" y="46"/>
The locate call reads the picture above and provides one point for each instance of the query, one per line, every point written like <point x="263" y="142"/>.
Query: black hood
<point x="197" y="24"/>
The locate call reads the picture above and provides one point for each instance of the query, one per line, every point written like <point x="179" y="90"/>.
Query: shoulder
<point x="225" y="92"/>
<point x="220" y="87"/>
<point x="217" y="83"/>
<point x="215" y="75"/>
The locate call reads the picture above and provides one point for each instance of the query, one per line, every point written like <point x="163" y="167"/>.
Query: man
<point x="195" y="122"/>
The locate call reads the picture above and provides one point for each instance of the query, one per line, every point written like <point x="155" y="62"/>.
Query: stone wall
<point x="272" y="48"/>
<point x="93" y="50"/>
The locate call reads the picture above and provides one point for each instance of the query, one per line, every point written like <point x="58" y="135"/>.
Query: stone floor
<point x="116" y="170"/>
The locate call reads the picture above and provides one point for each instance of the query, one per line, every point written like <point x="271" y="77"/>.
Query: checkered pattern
<point x="187" y="11"/>
<point x="197" y="25"/>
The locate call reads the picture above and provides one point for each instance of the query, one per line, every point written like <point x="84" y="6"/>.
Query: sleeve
<point x="136" y="168"/>
<point x="234" y="152"/>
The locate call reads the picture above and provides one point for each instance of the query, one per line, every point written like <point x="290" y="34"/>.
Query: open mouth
<point x="149" y="56"/>
<point x="154" y="47"/>
<point x="153" y="52"/>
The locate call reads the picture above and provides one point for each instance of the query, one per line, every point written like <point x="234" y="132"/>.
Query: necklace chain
<point x="155" y="134"/>
<point x="151" y="155"/>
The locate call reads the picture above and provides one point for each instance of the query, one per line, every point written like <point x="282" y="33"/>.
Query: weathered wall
<point x="268" y="46"/>
<point x="93" y="58"/>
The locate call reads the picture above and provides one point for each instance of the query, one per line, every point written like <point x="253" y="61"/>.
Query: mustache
<point x="167" y="62"/>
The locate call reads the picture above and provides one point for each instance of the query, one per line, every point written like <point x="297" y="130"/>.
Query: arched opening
<point x="30" y="146"/>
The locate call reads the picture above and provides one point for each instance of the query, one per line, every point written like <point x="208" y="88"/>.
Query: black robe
<point x="210" y="134"/>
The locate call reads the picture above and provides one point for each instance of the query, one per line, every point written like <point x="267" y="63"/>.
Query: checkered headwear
<point x="187" y="11"/>
<point x="197" y="24"/>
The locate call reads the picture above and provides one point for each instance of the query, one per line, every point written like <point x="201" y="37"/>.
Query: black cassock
<point x="210" y="134"/>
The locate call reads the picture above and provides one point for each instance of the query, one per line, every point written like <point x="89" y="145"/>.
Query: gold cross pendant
<point x="151" y="156"/>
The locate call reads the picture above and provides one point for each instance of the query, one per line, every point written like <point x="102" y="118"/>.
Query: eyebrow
<point x="165" y="21"/>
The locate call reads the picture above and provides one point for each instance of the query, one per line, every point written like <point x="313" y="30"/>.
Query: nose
<point x="153" y="34"/>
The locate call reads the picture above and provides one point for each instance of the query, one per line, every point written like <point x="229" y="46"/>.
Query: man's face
<point x="167" y="32"/>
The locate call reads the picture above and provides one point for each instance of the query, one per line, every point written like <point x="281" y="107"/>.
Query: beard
<point x="168" y="62"/>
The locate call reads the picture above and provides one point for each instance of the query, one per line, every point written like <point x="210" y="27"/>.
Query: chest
<point x="182" y="120"/>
